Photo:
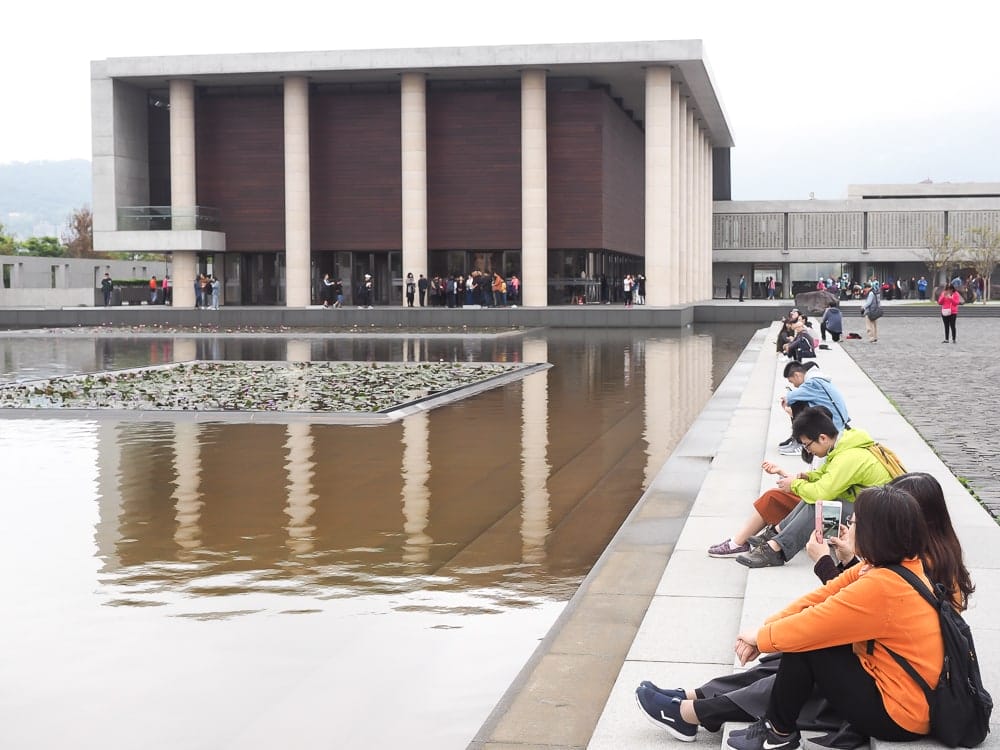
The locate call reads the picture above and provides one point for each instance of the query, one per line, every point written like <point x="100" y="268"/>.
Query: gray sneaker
<point x="793" y="449"/>
<point x="761" y="557"/>
<point x="763" y="537"/>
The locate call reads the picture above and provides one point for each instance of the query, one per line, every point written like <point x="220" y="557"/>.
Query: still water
<point x="169" y="584"/>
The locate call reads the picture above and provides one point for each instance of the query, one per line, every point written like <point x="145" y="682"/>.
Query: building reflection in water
<point x="415" y="471"/>
<point x="534" y="454"/>
<point x="518" y="489"/>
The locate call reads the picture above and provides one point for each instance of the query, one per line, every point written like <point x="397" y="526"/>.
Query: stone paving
<point x="948" y="392"/>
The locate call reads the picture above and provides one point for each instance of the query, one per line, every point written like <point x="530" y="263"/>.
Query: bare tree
<point x="940" y="251"/>
<point x="79" y="234"/>
<point x="984" y="254"/>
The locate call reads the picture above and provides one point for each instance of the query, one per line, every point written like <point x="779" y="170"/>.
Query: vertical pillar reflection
<point x="416" y="495"/>
<point x="300" y="469"/>
<point x="185" y="350"/>
<point x="661" y="404"/>
<point x="186" y="495"/>
<point x="534" y="454"/>
<point x="109" y="496"/>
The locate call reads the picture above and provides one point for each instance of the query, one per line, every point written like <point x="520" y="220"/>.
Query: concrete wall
<point x="65" y="282"/>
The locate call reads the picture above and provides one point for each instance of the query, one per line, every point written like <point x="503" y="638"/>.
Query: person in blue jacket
<point x="832" y="321"/>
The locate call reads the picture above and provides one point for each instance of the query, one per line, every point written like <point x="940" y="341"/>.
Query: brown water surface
<point x="170" y="584"/>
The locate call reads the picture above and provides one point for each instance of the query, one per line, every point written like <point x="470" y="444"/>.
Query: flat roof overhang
<point x="618" y="65"/>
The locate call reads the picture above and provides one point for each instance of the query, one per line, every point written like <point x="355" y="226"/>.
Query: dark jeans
<point x="841" y="679"/>
<point x="949" y="325"/>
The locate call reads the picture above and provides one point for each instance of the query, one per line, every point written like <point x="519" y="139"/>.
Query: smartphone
<point x="829" y="515"/>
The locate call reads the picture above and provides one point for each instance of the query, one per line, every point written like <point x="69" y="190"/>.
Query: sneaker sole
<point x="722" y="555"/>
<point x="666" y="727"/>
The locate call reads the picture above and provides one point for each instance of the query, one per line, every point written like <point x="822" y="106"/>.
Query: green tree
<point x="983" y="253"/>
<point x="79" y="234"/>
<point x="6" y="242"/>
<point x="48" y="247"/>
<point x="940" y="250"/>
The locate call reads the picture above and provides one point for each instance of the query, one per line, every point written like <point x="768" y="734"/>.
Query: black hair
<point x="833" y="303"/>
<point x="943" y="557"/>
<point x="889" y="526"/>
<point x="813" y="422"/>
<point x="798" y="367"/>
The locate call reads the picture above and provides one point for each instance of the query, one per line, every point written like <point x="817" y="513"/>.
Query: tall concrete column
<point x="699" y="213"/>
<point x="673" y="282"/>
<point x="534" y="191"/>
<point x="298" y="241"/>
<point x="413" y="107"/>
<point x="657" y="119"/>
<point x="692" y="264"/>
<point x="183" y="186"/>
<point x="683" y="200"/>
<point x="709" y="233"/>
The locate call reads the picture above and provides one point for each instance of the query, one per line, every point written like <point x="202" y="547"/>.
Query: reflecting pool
<point x="176" y="584"/>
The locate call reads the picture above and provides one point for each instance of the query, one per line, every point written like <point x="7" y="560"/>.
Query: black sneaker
<point x="761" y="736"/>
<point x="665" y="713"/>
<point x="678" y="693"/>
<point x="789" y="441"/>
<point x="761" y="557"/>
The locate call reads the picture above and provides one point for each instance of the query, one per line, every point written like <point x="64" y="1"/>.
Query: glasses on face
<point x="809" y="444"/>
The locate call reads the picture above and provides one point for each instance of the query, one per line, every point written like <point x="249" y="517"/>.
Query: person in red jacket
<point x="949" y="300"/>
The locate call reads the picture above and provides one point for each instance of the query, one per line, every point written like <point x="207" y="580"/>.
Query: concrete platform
<point x="701" y="603"/>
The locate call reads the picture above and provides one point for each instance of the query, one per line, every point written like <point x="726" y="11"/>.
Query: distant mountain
<point x="37" y="197"/>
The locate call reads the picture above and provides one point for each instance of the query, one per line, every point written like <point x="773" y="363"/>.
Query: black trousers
<point x="839" y="677"/>
<point x="949" y="325"/>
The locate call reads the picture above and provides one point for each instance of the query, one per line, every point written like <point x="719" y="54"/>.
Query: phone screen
<point x="831" y="513"/>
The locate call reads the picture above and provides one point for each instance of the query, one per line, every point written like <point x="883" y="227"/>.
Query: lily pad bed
<point x="336" y="392"/>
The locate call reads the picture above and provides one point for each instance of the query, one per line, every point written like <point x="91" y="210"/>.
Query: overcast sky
<point x="818" y="95"/>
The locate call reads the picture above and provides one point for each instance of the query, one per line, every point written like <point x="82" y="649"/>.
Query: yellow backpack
<point x="888" y="458"/>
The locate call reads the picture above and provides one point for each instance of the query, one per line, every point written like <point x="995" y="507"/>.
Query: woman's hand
<point x="843" y="545"/>
<point x="746" y="647"/>
<point x="817" y="546"/>
<point x="785" y="483"/>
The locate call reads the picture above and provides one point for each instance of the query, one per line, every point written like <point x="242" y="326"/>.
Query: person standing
<point x="743" y="286"/>
<point x="871" y="309"/>
<point x="152" y="290"/>
<point x="949" y="301"/>
<point x="922" y="288"/>
<point x="729" y="288"/>
<point x="422" y="289"/>
<point x="197" y="291"/>
<point x="338" y="293"/>
<point x="206" y="291"/>
<point x="326" y="291"/>
<point x="106" y="286"/>
<point x="627" y="289"/>
<point x="216" y="286"/>
<point x="411" y="289"/>
<point x="771" y="287"/>
<point x="515" y="289"/>
<point x="167" y="290"/>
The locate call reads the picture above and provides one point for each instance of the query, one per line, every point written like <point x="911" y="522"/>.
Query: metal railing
<point x="152" y="218"/>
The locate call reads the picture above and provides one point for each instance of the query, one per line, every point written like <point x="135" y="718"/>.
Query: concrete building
<point x="563" y="164"/>
<point x="879" y="231"/>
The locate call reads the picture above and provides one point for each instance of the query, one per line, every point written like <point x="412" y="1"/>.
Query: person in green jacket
<point x="849" y="467"/>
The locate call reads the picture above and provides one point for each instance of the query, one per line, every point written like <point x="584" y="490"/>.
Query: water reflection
<point x="257" y="556"/>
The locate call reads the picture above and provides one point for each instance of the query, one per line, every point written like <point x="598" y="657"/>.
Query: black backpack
<point x="960" y="706"/>
<point x="875" y="308"/>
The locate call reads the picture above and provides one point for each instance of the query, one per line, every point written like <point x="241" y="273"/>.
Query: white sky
<point x="818" y="95"/>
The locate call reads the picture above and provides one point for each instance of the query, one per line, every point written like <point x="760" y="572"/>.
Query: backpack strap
<point x="910" y="577"/>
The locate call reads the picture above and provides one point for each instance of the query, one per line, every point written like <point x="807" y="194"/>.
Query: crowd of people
<point x="826" y="660"/>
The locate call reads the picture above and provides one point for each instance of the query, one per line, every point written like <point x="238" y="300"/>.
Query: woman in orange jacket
<point x="836" y="637"/>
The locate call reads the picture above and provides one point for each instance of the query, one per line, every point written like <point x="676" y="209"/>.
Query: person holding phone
<point x="949" y="301"/>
